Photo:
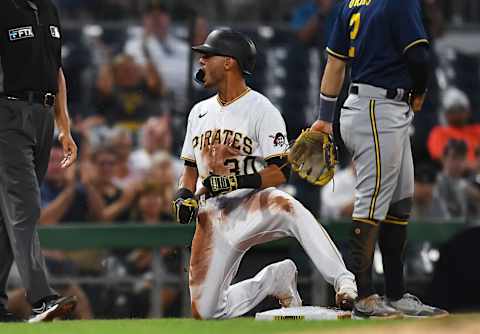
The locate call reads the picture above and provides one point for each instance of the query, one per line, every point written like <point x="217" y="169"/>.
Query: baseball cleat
<point x="374" y="307"/>
<point x="412" y="307"/>
<point x="56" y="308"/>
<point x="286" y="292"/>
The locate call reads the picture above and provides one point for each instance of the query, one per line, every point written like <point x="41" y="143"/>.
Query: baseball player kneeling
<point x="236" y="142"/>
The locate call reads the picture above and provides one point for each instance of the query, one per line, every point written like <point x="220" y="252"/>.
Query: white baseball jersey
<point x="236" y="138"/>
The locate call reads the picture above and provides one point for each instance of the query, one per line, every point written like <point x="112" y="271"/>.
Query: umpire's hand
<point x="69" y="150"/>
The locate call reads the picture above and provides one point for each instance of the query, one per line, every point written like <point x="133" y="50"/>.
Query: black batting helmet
<point x="230" y="43"/>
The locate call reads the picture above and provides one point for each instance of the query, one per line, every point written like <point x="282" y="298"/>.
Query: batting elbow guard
<point x="185" y="207"/>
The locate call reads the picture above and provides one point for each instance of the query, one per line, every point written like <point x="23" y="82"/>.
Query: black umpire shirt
<point x="30" y="45"/>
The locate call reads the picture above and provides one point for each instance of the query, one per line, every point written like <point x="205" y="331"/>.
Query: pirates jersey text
<point x="236" y="138"/>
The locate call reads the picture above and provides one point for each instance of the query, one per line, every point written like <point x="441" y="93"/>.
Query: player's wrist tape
<point x="222" y="184"/>
<point x="184" y="193"/>
<point x="326" y="109"/>
<point x="253" y="181"/>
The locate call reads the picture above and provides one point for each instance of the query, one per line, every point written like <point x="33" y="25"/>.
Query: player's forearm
<point x="333" y="77"/>
<point x="272" y="176"/>
<point x="332" y="83"/>
<point x="62" y="119"/>
<point x="188" y="180"/>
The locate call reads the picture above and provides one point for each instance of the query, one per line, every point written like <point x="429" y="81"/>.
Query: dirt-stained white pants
<point x="228" y="226"/>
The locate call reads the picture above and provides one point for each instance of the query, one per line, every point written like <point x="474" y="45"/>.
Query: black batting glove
<point x="185" y="207"/>
<point x="218" y="185"/>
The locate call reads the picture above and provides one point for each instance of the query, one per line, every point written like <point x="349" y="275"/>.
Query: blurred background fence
<point x="316" y="291"/>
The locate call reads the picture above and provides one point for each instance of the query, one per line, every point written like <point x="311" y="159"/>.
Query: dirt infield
<point x="464" y="324"/>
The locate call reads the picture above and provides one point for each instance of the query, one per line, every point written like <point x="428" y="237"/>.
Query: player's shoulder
<point x="262" y="102"/>
<point x="203" y="106"/>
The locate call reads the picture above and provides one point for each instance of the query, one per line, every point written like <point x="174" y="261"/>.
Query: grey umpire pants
<point x="26" y="134"/>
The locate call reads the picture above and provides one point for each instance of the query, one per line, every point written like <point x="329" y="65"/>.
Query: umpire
<point x="34" y="97"/>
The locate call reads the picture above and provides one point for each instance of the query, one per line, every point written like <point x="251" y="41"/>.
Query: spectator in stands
<point x="156" y="44"/>
<point x="154" y="207"/>
<point x="475" y="177"/>
<point x="311" y="18"/>
<point x="457" y="114"/>
<point x="121" y="141"/>
<point x="68" y="195"/>
<point x="338" y="195"/>
<point x="426" y="204"/>
<point x="201" y="30"/>
<point x="127" y="93"/>
<point x="156" y="136"/>
<point x="154" y="204"/>
<point x="474" y="180"/>
<point x="115" y="203"/>
<point x="162" y="174"/>
<point x="455" y="193"/>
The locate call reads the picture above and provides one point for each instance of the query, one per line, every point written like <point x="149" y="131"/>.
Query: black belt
<point x="45" y="99"/>
<point x="391" y="94"/>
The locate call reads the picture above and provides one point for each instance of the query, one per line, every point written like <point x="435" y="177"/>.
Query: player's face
<point x="214" y="67"/>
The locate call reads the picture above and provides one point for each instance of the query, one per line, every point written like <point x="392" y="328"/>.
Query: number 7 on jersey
<point x="355" y="27"/>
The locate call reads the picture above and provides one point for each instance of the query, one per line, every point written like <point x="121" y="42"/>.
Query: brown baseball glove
<point x="313" y="156"/>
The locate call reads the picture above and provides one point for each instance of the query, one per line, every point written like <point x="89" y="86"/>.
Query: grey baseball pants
<point x="26" y="133"/>
<point x="375" y="130"/>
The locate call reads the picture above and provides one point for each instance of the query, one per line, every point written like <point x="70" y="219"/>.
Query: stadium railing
<point x="101" y="236"/>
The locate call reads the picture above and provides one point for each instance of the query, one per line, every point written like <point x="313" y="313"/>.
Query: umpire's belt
<point x="45" y="99"/>
<point x="398" y="94"/>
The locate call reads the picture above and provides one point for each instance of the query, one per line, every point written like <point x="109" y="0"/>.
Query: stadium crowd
<point x="130" y="92"/>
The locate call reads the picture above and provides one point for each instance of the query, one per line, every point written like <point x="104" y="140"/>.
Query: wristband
<point x="184" y="193"/>
<point x="249" y="181"/>
<point x="326" y="108"/>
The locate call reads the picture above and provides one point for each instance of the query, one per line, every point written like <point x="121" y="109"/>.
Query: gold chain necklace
<point x="226" y="103"/>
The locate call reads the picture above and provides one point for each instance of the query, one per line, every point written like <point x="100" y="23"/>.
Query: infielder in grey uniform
<point x="386" y="45"/>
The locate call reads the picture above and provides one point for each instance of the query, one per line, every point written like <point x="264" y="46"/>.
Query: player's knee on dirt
<point x="400" y="211"/>
<point x="207" y="313"/>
